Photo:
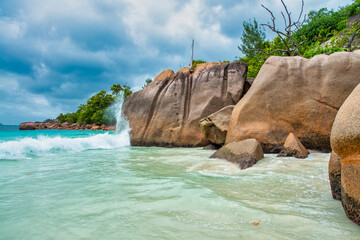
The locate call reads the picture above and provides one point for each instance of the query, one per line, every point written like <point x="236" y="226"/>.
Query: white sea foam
<point x="43" y="145"/>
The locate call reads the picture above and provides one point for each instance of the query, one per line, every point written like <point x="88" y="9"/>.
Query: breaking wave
<point x="29" y="147"/>
<point x="43" y="145"/>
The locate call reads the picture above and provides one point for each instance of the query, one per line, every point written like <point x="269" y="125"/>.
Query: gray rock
<point x="215" y="126"/>
<point x="168" y="110"/>
<point x="245" y="153"/>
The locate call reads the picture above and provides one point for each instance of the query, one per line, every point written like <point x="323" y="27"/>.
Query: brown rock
<point x="335" y="175"/>
<point x="164" y="75"/>
<point x="110" y="128"/>
<point x="245" y="153"/>
<point x="298" y="95"/>
<point x="27" y="126"/>
<point x="345" y="141"/>
<point x="215" y="126"/>
<point x="167" y="111"/>
<point x="65" y="125"/>
<point x="293" y="147"/>
<point x="48" y="121"/>
<point x="353" y="19"/>
<point x="201" y="66"/>
<point x="95" y="127"/>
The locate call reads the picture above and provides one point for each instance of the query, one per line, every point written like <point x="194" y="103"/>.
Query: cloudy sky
<point x="54" y="54"/>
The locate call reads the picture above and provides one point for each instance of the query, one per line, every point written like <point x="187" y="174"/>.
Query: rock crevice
<point x="167" y="111"/>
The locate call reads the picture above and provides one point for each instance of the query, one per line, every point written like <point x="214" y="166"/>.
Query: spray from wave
<point x="43" y="145"/>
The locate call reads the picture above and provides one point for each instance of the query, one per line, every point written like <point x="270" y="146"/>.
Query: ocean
<point x="58" y="184"/>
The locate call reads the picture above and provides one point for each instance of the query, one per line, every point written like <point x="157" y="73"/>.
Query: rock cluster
<point x="295" y="95"/>
<point x="168" y="110"/>
<point x="54" y="124"/>
<point x="345" y="141"/>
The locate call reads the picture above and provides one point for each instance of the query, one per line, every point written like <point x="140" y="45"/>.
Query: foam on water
<point x="28" y="147"/>
<point x="43" y="145"/>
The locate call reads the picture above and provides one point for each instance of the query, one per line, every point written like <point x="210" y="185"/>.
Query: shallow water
<point x="112" y="191"/>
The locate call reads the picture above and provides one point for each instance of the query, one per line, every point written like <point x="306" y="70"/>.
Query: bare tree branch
<point x="301" y="12"/>
<point x="287" y="12"/>
<point x="290" y="27"/>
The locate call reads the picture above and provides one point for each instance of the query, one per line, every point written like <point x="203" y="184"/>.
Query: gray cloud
<point x="55" y="54"/>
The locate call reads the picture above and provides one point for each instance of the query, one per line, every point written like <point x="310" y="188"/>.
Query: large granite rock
<point x="293" y="148"/>
<point x="245" y="153"/>
<point x="27" y="126"/>
<point x="298" y="95"/>
<point x="345" y="141"/>
<point x="215" y="126"/>
<point x="167" y="111"/>
<point x="335" y="175"/>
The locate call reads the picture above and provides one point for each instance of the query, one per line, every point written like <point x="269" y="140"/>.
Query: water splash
<point x="29" y="147"/>
<point x="122" y="125"/>
<point x="43" y="145"/>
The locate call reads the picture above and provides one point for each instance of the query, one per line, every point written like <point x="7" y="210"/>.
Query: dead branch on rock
<point x="286" y="35"/>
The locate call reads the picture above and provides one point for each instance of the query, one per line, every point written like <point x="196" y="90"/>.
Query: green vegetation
<point x="196" y="62"/>
<point x="323" y="32"/>
<point x="253" y="38"/>
<point x="147" y="81"/>
<point x="98" y="108"/>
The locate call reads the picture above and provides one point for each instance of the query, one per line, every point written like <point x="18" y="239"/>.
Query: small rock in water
<point x="293" y="147"/>
<point x="244" y="153"/>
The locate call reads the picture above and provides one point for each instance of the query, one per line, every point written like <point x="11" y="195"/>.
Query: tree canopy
<point x="97" y="108"/>
<point x="252" y="38"/>
<point x="323" y="31"/>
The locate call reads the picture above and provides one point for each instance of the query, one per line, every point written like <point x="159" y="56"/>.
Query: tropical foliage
<point x="322" y="32"/>
<point x="98" y="108"/>
<point x="147" y="81"/>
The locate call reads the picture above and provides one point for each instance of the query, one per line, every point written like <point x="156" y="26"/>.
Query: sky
<point x="55" y="54"/>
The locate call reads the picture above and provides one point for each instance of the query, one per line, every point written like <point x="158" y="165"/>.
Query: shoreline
<point x="48" y="124"/>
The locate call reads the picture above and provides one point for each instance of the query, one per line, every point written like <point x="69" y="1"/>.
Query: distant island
<point x="1" y="124"/>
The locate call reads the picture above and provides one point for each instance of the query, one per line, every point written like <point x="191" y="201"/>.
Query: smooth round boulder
<point x="245" y="153"/>
<point x="27" y="126"/>
<point x="345" y="141"/>
<point x="295" y="95"/>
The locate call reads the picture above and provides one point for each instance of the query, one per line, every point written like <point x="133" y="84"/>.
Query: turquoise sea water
<point x="57" y="184"/>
